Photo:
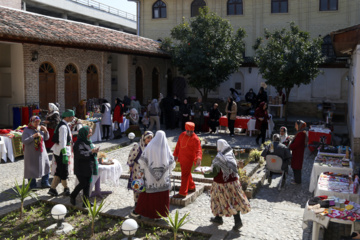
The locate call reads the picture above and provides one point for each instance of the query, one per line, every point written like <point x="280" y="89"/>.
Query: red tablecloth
<point x="239" y="122"/>
<point x="315" y="137"/>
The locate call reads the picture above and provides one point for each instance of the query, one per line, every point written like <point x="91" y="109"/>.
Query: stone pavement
<point x="275" y="214"/>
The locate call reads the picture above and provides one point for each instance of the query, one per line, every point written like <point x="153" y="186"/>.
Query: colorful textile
<point x="38" y="141"/>
<point x="25" y="115"/>
<point x="16" y="117"/>
<point x="225" y="160"/>
<point x="150" y="204"/>
<point x="228" y="199"/>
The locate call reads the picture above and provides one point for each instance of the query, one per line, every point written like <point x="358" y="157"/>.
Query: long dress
<point x="156" y="163"/>
<point x="36" y="162"/>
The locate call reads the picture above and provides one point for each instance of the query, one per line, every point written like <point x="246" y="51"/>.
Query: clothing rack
<point x="10" y="106"/>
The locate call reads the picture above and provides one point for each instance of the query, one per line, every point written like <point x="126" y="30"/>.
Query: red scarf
<point x="38" y="141"/>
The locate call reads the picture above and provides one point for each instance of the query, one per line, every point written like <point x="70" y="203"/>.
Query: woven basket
<point x="17" y="146"/>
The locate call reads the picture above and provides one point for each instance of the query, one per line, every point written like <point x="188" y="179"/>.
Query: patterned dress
<point x="133" y="163"/>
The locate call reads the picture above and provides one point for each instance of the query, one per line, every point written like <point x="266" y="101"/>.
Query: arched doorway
<point x="155" y="83"/>
<point x="71" y="86"/>
<point x="92" y="89"/>
<point x="139" y="85"/>
<point x="170" y="82"/>
<point x="47" y="85"/>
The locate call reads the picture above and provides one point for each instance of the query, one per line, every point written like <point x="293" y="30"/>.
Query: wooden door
<point x="155" y="84"/>
<point x="170" y="82"/>
<point x="47" y="85"/>
<point x="139" y="85"/>
<point x="92" y="82"/>
<point x="71" y="87"/>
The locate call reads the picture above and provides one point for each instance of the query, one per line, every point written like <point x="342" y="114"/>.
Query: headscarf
<point x="53" y="109"/>
<point x="118" y="101"/>
<point x="134" y="115"/>
<point x="38" y="141"/>
<point x="301" y="128"/>
<point x="136" y="152"/>
<point x="230" y="103"/>
<point x="83" y="136"/>
<point x="283" y="137"/>
<point x="225" y="160"/>
<point x="133" y="98"/>
<point x="157" y="161"/>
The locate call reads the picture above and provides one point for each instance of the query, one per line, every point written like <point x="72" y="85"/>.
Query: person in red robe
<point x="298" y="147"/>
<point x="188" y="152"/>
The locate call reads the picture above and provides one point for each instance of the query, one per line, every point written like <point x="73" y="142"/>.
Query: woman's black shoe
<point x="217" y="220"/>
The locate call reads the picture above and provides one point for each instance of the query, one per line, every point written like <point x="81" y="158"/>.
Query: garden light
<point x="129" y="228"/>
<point x="131" y="136"/>
<point x="58" y="212"/>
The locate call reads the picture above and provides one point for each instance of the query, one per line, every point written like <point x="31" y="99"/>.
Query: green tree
<point x="206" y="50"/>
<point x="288" y="57"/>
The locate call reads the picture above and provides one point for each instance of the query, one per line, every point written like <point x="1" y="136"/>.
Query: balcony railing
<point x="105" y="8"/>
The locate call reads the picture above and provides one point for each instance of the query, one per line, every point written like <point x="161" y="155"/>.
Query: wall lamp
<point x="134" y="61"/>
<point x="35" y="56"/>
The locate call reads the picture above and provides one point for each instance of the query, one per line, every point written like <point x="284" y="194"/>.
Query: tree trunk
<point x="287" y="93"/>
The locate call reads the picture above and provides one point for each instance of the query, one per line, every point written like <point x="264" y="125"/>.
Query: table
<point x="240" y="122"/>
<point x="276" y="105"/>
<point x="315" y="134"/>
<point x="96" y="135"/>
<point x="317" y="169"/>
<point x="107" y="174"/>
<point x="318" y="220"/>
<point x="2" y="148"/>
<point x="324" y="186"/>
<point x="8" y="153"/>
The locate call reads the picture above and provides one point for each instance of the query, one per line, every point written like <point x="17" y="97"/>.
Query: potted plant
<point x="255" y="155"/>
<point x="244" y="179"/>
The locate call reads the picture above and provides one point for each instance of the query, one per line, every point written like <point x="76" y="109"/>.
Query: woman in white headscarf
<point x="227" y="197"/>
<point x="284" y="138"/>
<point x="52" y="120"/>
<point x="133" y="160"/>
<point x="156" y="163"/>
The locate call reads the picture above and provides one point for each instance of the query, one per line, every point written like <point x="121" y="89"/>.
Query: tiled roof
<point x="25" y="27"/>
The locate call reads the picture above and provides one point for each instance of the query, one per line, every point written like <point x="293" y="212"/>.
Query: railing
<point x="106" y="8"/>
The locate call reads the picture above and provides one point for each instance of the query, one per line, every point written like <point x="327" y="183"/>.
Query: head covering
<point x="38" y="141"/>
<point x="276" y="138"/>
<point x="68" y="113"/>
<point x="157" y="162"/>
<point x="83" y="135"/>
<point x="53" y="109"/>
<point x="118" y="101"/>
<point x="189" y="126"/>
<point x="301" y="125"/>
<point x="133" y="98"/>
<point x="134" y="116"/>
<point x="283" y="137"/>
<point x="230" y="103"/>
<point x="225" y="160"/>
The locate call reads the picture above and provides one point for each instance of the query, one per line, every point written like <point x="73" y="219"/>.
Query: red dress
<point x="261" y="113"/>
<point x="298" y="146"/>
<point x="149" y="204"/>
<point x="188" y="149"/>
<point x="118" y="114"/>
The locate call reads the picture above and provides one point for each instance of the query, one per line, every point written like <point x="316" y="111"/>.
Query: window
<point x="195" y="6"/>
<point x="327" y="48"/>
<point x="328" y="5"/>
<point x="279" y="6"/>
<point x="159" y="9"/>
<point x="235" y="7"/>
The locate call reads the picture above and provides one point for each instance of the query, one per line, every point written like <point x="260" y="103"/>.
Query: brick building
<point x="44" y="59"/>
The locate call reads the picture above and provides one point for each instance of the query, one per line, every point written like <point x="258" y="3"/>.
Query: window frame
<point x="328" y="6"/>
<point x="279" y="5"/>
<point x="235" y="3"/>
<point x="159" y="8"/>
<point x="196" y="3"/>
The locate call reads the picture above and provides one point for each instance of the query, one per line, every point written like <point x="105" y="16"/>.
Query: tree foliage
<point x="288" y="57"/>
<point x="206" y="50"/>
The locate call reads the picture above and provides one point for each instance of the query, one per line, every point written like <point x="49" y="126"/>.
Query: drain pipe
<point x="138" y="15"/>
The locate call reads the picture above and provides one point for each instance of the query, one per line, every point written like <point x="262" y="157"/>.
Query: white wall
<point x="121" y="74"/>
<point x="16" y="87"/>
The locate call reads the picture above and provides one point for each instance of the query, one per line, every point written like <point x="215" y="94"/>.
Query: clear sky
<point x="124" y="5"/>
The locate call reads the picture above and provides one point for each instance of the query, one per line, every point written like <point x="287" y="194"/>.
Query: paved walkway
<point x="275" y="214"/>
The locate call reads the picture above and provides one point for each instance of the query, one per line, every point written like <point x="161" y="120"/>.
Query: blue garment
<point x="16" y="117"/>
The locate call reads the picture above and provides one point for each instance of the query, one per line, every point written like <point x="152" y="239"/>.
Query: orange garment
<point x="188" y="150"/>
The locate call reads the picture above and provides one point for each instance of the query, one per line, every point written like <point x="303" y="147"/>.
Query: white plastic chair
<point x="273" y="165"/>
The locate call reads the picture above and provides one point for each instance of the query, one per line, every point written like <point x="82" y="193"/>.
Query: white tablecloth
<point x="8" y="153"/>
<point x="251" y="127"/>
<point x="123" y="126"/>
<point x="96" y="136"/>
<point x="3" y="150"/>
<point x="109" y="174"/>
<point x="317" y="170"/>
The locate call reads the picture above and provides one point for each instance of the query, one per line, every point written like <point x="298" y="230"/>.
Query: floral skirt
<point x="227" y="199"/>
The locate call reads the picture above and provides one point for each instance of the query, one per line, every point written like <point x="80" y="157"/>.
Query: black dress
<point x="214" y="117"/>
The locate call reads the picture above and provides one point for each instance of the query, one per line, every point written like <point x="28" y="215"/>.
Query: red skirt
<point x="49" y="143"/>
<point x="149" y="204"/>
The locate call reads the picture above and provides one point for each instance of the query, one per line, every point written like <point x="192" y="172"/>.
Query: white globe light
<point x="129" y="227"/>
<point x="58" y="211"/>
<point x="131" y="136"/>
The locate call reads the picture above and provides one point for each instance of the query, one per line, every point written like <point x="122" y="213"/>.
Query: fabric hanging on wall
<point x="16" y="117"/>
<point x="30" y="112"/>
<point x="25" y="116"/>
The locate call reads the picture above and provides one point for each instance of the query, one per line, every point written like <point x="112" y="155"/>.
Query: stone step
<point x="190" y="198"/>
<point x="256" y="181"/>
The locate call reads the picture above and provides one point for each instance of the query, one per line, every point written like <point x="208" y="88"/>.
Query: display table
<point x="8" y="153"/>
<point x="337" y="186"/>
<point x="2" y="148"/>
<point x="96" y="135"/>
<point x="108" y="174"/>
<point x="319" y="220"/>
<point x="276" y="105"/>
<point x="318" y="168"/>
<point x="240" y="122"/>
<point x="315" y="134"/>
